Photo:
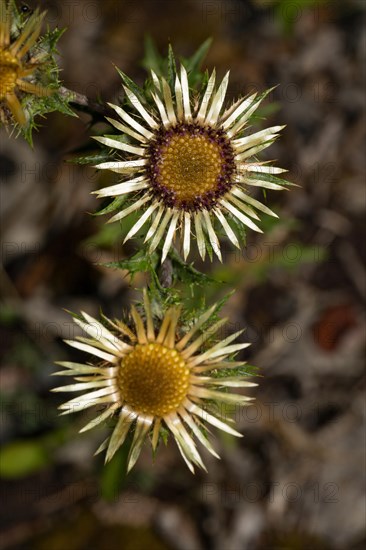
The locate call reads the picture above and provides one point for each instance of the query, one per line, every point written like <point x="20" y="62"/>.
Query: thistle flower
<point x="20" y="60"/>
<point x="152" y="377"/>
<point x="189" y="163"/>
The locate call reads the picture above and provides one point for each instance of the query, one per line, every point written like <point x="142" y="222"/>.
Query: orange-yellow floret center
<point x="153" y="379"/>
<point x="9" y="68"/>
<point x="190" y="166"/>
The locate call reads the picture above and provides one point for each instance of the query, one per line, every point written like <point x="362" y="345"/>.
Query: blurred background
<point x="295" y="481"/>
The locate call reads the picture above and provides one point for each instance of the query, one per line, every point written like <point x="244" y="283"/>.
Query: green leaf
<point x="22" y="458"/>
<point x="194" y="62"/>
<point x="114" y="205"/>
<point x="172" y="67"/>
<point x="271" y="178"/>
<point x="107" y="235"/>
<point x="96" y="158"/>
<point x="164" y="435"/>
<point x="186" y="273"/>
<point x="219" y="305"/>
<point x="238" y="228"/>
<point x="244" y="370"/>
<point x="139" y="92"/>
<point x="113" y="474"/>
<point x="152" y="59"/>
<point x="141" y="261"/>
<point x="198" y="307"/>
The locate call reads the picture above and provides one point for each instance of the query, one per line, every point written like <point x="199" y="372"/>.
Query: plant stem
<point x="166" y="273"/>
<point x="85" y="104"/>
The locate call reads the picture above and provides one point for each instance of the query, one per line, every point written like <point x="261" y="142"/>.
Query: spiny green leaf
<point x="186" y="273"/>
<point x="244" y="370"/>
<point x="141" y="261"/>
<point x="129" y="83"/>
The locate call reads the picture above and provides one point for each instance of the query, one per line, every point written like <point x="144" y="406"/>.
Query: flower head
<point x="20" y="61"/>
<point x="189" y="163"/>
<point x="152" y="377"/>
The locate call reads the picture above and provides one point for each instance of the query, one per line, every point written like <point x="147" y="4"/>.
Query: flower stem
<point x="166" y="273"/>
<point x="83" y="103"/>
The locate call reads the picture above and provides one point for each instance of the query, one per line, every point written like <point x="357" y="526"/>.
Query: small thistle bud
<point x="28" y="70"/>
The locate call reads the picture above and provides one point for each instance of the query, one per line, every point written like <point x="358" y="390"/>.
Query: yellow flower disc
<point x="190" y="166"/>
<point x="153" y="379"/>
